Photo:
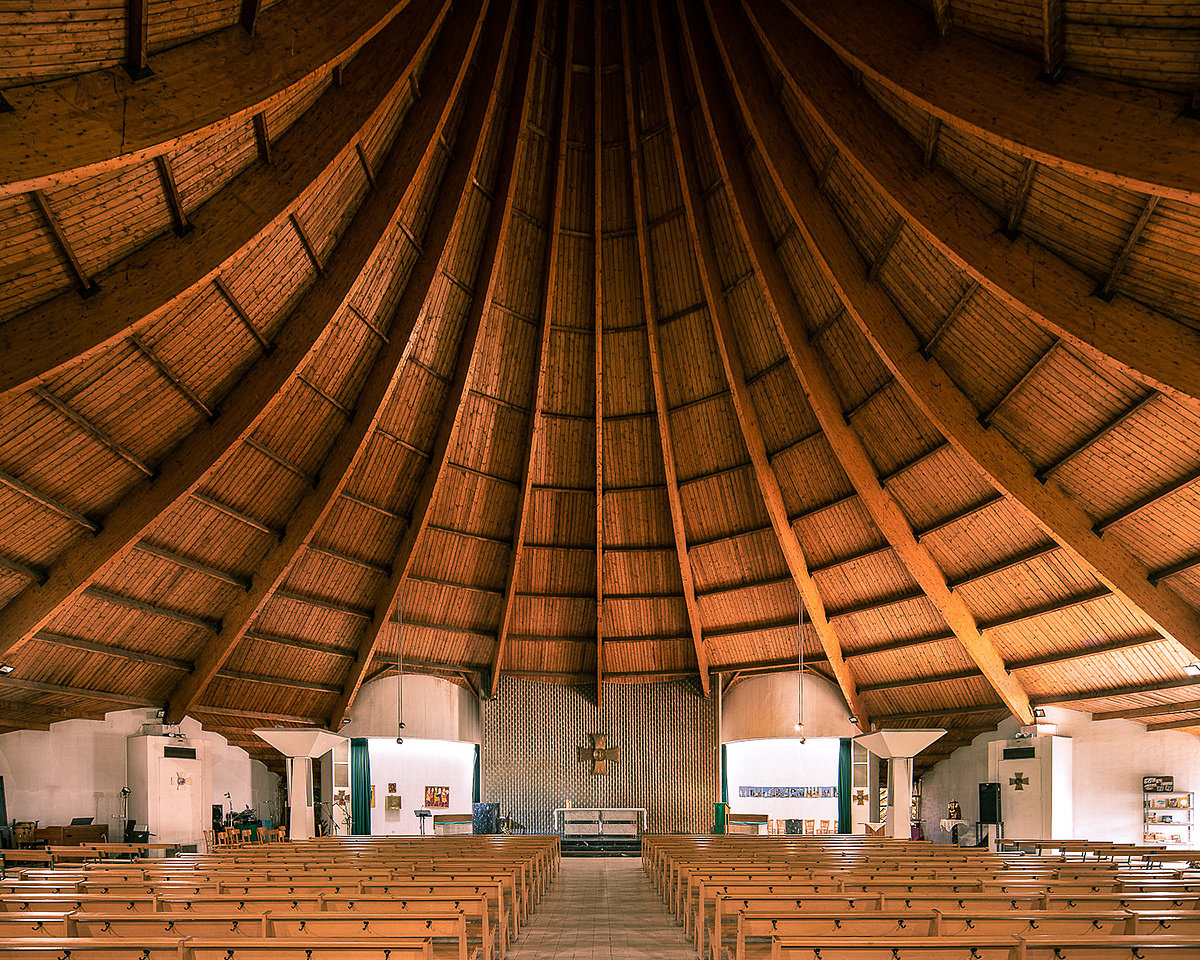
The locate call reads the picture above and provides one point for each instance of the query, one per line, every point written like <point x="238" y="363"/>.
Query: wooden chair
<point x="810" y="826"/>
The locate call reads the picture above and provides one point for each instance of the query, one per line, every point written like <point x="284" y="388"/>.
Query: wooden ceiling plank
<point x="1026" y="277"/>
<point x="347" y="558"/>
<point x="1026" y="377"/>
<point x="998" y="460"/>
<point x="531" y="453"/>
<point x="811" y="372"/>
<point x="1100" y="649"/>
<point x="946" y="714"/>
<point x="598" y="336"/>
<point x="163" y="553"/>
<point x="242" y="714"/>
<point x="1155" y="496"/>
<point x="495" y="243"/>
<point x="731" y="362"/>
<point x="210" y="444"/>
<point x="655" y="361"/>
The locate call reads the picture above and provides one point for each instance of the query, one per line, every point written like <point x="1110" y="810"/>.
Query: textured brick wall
<point x="665" y="730"/>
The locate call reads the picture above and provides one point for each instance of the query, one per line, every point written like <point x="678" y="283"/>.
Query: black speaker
<point x="989" y="803"/>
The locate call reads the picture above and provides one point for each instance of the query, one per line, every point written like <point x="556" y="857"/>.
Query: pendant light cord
<point x="399" y="672"/>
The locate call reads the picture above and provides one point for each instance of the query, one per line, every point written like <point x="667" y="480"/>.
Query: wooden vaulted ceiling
<point x="584" y="337"/>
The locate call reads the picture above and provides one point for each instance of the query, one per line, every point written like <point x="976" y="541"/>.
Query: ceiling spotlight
<point x="798" y="726"/>
<point x="6" y="669"/>
<point x="345" y="720"/>
<point x="852" y="718"/>
<point x="1191" y="669"/>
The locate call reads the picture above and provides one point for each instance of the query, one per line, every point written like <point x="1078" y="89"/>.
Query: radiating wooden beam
<point x="108" y="650"/>
<point x="1105" y="291"/>
<point x="87" y="286"/>
<point x="47" y="501"/>
<point x="1154" y="710"/>
<point x="166" y="176"/>
<point x="1024" y="277"/>
<point x="248" y="16"/>
<point x="1066" y="698"/>
<point x="92" y="430"/>
<point x="243" y="317"/>
<point x="1054" y="40"/>
<point x="943" y="16"/>
<point x="492" y="253"/>
<point x="654" y="354"/>
<point x="243" y="714"/>
<point x="170" y="376"/>
<point x="532" y="451"/>
<point x="598" y="335"/>
<point x="1185" y="724"/>
<point x="84" y="693"/>
<point x="934" y="393"/>
<point x="818" y="387"/>
<point x="137" y="33"/>
<point x="209" y="445"/>
<point x="731" y="362"/>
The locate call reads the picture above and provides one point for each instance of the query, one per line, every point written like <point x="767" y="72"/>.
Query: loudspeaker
<point x="989" y="803"/>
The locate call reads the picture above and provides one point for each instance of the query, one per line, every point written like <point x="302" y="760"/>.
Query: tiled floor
<point x="601" y="907"/>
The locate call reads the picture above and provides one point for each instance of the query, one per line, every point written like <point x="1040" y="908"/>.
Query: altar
<point x="599" y="823"/>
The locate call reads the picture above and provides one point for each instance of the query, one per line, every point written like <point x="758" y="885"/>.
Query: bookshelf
<point x="1167" y="817"/>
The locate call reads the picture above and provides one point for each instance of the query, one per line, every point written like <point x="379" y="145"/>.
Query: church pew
<point x="295" y="926"/>
<point x="247" y="948"/>
<point x="986" y="948"/>
<point x="765" y="925"/>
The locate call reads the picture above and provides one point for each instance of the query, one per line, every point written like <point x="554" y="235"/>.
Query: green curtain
<point x="360" y="788"/>
<point x="475" y="778"/>
<point x="724" y="775"/>
<point x="844" y="761"/>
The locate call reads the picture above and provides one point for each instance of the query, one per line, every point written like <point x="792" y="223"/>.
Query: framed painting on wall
<point x="437" y="797"/>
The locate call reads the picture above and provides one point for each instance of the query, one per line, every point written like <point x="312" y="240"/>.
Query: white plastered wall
<point x="1110" y="759"/>
<point x="78" y="767"/>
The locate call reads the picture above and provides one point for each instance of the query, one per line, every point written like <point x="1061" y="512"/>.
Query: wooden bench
<point x="247" y="948"/>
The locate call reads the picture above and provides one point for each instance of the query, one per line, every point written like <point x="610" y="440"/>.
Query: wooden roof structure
<point x="589" y="337"/>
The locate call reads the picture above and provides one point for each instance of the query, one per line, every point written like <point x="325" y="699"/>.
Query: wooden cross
<point x="1020" y="781"/>
<point x="860" y="797"/>
<point x="599" y="753"/>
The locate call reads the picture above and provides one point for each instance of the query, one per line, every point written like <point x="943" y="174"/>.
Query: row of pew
<point x="872" y="898"/>
<point x="358" y="898"/>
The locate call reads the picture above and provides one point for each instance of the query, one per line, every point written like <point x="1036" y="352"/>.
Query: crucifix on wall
<point x="860" y="797"/>
<point x="599" y="753"/>
<point x="1019" y="782"/>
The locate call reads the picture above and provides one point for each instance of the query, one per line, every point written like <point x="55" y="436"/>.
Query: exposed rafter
<point x="598" y="336"/>
<point x="725" y="336"/>
<point x="819" y="389"/>
<point x="491" y="255"/>
<point x="935" y="394"/>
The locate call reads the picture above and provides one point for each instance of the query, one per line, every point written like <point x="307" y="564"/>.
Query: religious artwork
<point x="599" y="753"/>
<point x="372" y="803"/>
<point x="391" y="788"/>
<point x="778" y="793"/>
<point x="953" y="810"/>
<point x="860" y="797"/>
<point x="392" y="802"/>
<point x="1018" y="781"/>
<point x="179" y="781"/>
<point x="437" y="797"/>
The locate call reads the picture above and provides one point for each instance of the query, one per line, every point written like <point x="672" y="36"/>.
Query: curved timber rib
<point x="494" y="244"/>
<point x="817" y="386"/>
<point x="199" y="454"/>
<point x="144" y="286"/>
<point x="1024" y="276"/>
<point x="351" y="444"/>
<point x="731" y="360"/>
<point x="1006" y="468"/>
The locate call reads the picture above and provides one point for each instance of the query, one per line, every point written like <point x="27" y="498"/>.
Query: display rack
<point x="1167" y="817"/>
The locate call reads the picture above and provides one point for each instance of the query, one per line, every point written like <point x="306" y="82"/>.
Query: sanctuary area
<point x="517" y="479"/>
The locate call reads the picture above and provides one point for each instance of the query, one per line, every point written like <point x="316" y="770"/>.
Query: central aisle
<point x="601" y="907"/>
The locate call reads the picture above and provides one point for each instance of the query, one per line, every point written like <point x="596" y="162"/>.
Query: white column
<point x="299" y="791"/>
<point x="900" y="772"/>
